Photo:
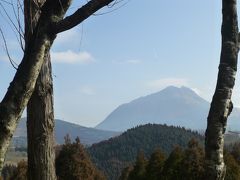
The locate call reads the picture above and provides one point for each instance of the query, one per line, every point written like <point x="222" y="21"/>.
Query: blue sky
<point x="136" y="50"/>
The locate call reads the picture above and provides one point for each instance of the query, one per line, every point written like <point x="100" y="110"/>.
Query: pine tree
<point x="236" y="152"/>
<point x="233" y="168"/>
<point x="125" y="173"/>
<point x="73" y="163"/>
<point x="172" y="166"/>
<point x="193" y="162"/>
<point x="139" y="169"/>
<point x="8" y="171"/>
<point x="155" y="165"/>
<point x="21" y="171"/>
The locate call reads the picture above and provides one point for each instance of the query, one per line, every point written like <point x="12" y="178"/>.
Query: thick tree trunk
<point x="221" y="105"/>
<point x="40" y="125"/>
<point x="20" y="91"/>
<point x="21" y="88"/>
<point x="40" y="114"/>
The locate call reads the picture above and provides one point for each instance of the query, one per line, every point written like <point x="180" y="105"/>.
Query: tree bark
<point x="40" y="126"/>
<point x="22" y="86"/>
<point x="221" y="105"/>
<point x="20" y="91"/>
<point x="40" y="113"/>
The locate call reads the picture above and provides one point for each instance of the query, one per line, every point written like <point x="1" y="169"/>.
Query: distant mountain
<point x="113" y="155"/>
<point x="87" y="135"/>
<point x="171" y="106"/>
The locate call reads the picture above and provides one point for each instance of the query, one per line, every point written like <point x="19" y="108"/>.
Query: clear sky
<point x="133" y="51"/>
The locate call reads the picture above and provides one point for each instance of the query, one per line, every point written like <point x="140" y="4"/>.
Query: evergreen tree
<point x="172" y="166"/>
<point x="236" y="152"/>
<point x="155" y="165"/>
<point x="125" y="173"/>
<point x="73" y="163"/>
<point x="193" y="162"/>
<point x="139" y="169"/>
<point x="232" y="167"/>
<point x="113" y="155"/>
<point x="21" y="171"/>
<point x="8" y="171"/>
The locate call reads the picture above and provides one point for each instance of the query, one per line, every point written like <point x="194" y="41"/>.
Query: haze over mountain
<point x="87" y="135"/>
<point x="171" y="106"/>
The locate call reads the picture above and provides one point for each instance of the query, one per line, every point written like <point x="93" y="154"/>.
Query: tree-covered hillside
<point x="113" y="155"/>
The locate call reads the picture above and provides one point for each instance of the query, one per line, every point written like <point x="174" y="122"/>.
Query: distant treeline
<point x="149" y="152"/>
<point x="181" y="164"/>
<point x="72" y="162"/>
<point x="113" y="155"/>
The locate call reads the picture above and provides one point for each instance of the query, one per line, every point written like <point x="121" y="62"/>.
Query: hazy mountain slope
<point x="113" y="155"/>
<point x="172" y="106"/>
<point x="87" y="135"/>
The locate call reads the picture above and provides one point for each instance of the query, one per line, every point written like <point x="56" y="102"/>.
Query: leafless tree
<point x="50" y="22"/>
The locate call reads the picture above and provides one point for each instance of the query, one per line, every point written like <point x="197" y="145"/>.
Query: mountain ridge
<point x="172" y="106"/>
<point x="87" y="135"/>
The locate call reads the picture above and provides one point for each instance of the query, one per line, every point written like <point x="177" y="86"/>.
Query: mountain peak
<point x="179" y="106"/>
<point x="182" y="89"/>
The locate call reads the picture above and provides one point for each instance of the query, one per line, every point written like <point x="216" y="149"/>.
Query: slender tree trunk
<point x="221" y="105"/>
<point x="40" y="114"/>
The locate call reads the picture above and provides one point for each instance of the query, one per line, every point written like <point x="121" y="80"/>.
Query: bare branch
<point x="5" y="2"/>
<point x="10" y="19"/>
<point x="111" y="6"/>
<point x="80" y="15"/>
<point x="16" y="27"/>
<point x="13" y="63"/>
<point x="19" y="25"/>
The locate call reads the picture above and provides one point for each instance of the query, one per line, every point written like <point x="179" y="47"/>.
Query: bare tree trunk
<point x="40" y="125"/>
<point x="51" y="22"/>
<point x="22" y="86"/>
<point x="40" y="114"/>
<point x="221" y="105"/>
<point x="20" y="91"/>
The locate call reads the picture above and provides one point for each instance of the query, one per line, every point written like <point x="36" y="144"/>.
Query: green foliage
<point x="155" y="165"/>
<point x="139" y="169"/>
<point x="173" y="164"/>
<point x="125" y="173"/>
<point x="113" y="155"/>
<point x="193" y="161"/>
<point x="73" y="163"/>
<point x="235" y="151"/>
<point x="8" y="171"/>
<point x="180" y="165"/>
<point x="21" y="171"/>
<point x="233" y="168"/>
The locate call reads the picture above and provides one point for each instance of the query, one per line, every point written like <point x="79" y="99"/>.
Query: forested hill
<point x="113" y="155"/>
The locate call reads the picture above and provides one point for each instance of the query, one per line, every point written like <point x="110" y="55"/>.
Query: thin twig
<point x="10" y="19"/>
<point x="13" y="63"/>
<point x="111" y="6"/>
